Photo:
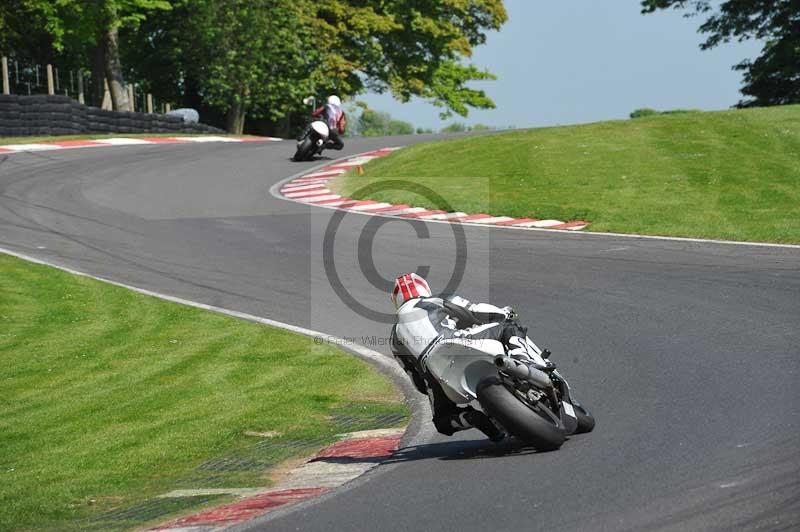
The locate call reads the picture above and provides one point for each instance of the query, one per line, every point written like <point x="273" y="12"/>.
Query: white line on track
<point x="31" y="147"/>
<point x="120" y="141"/>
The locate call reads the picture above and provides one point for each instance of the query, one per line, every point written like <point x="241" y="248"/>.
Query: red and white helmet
<point x="409" y="286"/>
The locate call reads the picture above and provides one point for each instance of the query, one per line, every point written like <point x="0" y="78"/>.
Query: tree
<point x="455" y="127"/>
<point x="399" y="127"/>
<point x="774" y="77"/>
<point x="253" y="55"/>
<point x="373" y="123"/>
<point x="410" y="48"/>
<point x="260" y="58"/>
<point x="643" y="112"/>
<point x="242" y="58"/>
<point x="23" y="31"/>
<point x="87" y="28"/>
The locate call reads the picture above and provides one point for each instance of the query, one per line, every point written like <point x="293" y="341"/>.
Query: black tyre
<point x="305" y="151"/>
<point x="535" y="425"/>
<point x="585" y="419"/>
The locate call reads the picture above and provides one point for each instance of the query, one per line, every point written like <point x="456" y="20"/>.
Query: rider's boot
<point x="479" y="420"/>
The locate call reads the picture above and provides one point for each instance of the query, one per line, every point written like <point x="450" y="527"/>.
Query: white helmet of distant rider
<point x="409" y="286"/>
<point x="334" y="100"/>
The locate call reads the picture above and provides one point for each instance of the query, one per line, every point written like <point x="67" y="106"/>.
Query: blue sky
<point x="578" y="61"/>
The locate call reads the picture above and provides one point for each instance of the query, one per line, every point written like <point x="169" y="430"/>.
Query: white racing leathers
<point x="423" y="324"/>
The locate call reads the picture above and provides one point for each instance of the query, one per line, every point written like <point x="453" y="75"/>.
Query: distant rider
<point x="333" y="115"/>
<point x="423" y="322"/>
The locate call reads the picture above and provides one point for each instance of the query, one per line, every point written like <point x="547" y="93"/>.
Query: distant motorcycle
<point x="517" y="386"/>
<point x="313" y="142"/>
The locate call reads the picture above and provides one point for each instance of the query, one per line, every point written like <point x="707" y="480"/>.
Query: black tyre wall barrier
<point x="22" y="116"/>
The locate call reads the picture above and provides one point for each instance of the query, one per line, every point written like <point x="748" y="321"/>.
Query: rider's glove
<point x="510" y="313"/>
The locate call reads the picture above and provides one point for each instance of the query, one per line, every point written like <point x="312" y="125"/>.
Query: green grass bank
<point x="109" y="398"/>
<point x="724" y="174"/>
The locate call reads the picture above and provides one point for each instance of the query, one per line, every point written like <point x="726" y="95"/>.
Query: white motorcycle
<point x="517" y="386"/>
<point x="313" y="142"/>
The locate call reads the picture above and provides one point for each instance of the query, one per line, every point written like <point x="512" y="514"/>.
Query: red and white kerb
<point x="409" y="286"/>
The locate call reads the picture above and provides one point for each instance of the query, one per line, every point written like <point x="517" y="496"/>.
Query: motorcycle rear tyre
<point x="498" y="402"/>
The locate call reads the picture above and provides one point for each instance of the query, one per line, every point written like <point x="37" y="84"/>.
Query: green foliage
<point x="412" y="48"/>
<point x="373" y="123"/>
<point x="72" y="24"/>
<point x="263" y="56"/>
<point x="729" y="174"/>
<point x="645" y="111"/>
<point x="458" y="127"/>
<point x="774" y="77"/>
<point x="23" y="30"/>
<point x="251" y="53"/>
<point x="398" y="127"/>
<point x="455" y="127"/>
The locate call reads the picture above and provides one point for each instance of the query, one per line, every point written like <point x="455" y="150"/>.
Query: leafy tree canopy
<point x="774" y="77"/>
<point x="411" y="48"/>
<point x="373" y="123"/>
<point x="260" y="57"/>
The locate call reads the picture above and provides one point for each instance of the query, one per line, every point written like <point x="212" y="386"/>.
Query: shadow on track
<point x="462" y="450"/>
<point x="451" y="450"/>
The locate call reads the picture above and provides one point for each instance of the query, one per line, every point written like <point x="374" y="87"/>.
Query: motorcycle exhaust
<point x="523" y="371"/>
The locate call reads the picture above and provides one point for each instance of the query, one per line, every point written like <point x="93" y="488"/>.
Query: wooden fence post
<point x="6" y="87"/>
<point x="130" y="96"/>
<point x="81" y="99"/>
<point x="50" y="87"/>
<point x="167" y="108"/>
<point x="107" y="105"/>
<point x="149" y="103"/>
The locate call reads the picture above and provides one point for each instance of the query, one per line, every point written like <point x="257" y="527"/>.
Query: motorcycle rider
<point x="333" y="115"/>
<point x="423" y="321"/>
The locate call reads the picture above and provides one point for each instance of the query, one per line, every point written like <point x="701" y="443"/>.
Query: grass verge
<point x="109" y="398"/>
<point x="726" y="174"/>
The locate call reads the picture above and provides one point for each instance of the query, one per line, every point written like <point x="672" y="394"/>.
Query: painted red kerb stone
<point x="361" y="448"/>
<point x="246" y="509"/>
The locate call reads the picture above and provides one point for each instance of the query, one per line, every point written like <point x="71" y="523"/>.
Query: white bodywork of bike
<point x="459" y="363"/>
<point x="322" y="130"/>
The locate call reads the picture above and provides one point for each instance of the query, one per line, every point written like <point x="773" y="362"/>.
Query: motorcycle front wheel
<point x="585" y="419"/>
<point x="534" y="424"/>
<point x="305" y="150"/>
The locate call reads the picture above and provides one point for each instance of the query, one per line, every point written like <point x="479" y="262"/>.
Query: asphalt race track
<point x="688" y="353"/>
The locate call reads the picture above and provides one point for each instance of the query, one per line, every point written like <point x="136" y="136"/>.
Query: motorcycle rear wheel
<point x="541" y="429"/>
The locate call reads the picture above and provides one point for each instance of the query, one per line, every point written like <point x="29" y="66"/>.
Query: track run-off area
<point x="688" y="353"/>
